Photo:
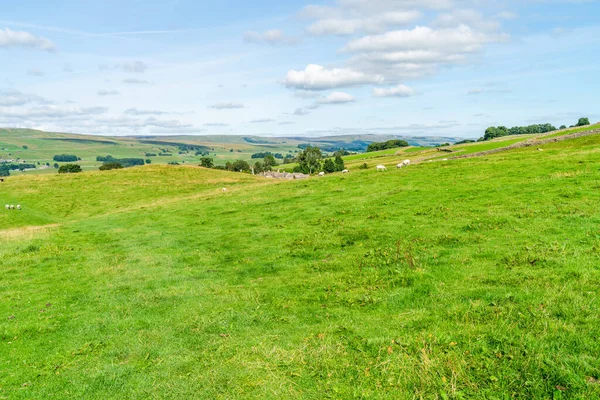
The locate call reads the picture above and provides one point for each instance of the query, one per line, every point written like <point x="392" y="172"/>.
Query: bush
<point x="69" y="169"/>
<point x="148" y="161"/>
<point x="150" y="154"/>
<point x="207" y="162"/>
<point x="329" y="166"/>
<point x="111" y="165"/>
<point x="339" y="163"/>
<point x="364" y="166"/>
<point x="583" y="122"/>
<point x="65" y="158"/>
<point x="4" y="171"/>
<point x="25" y="147"/>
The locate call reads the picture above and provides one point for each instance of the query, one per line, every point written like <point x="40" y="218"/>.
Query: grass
<point x="472" y="279"/>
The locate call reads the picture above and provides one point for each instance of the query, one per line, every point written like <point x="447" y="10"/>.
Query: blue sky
<point x="309" y="68"/>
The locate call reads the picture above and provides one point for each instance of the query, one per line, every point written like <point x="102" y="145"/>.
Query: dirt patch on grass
<point x="26" y="232"/>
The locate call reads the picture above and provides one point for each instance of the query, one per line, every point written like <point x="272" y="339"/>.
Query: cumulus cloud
<point x="133" y="81"/>
<point x="273" y="37"/>
<point x="300" y="112"/>
<point x="108" y="93"/>
<point x="396" y="91"/>
<point x="316" y="77"/>
<point x="10" y="38"/>
<point x="337" y="98"/>
<point x="226" y="106"/>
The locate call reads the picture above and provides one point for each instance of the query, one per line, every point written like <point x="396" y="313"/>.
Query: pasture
<point x="472" y="278"/>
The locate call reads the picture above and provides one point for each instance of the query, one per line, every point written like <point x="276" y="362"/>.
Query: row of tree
<point x="390" y="144"/>
<point x="498" y="131"/>
<point x="65" y="158"/>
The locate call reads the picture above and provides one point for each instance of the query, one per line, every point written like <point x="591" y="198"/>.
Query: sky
<point x="297" y="68"/>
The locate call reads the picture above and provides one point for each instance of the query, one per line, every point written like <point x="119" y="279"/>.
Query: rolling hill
<point x="466" y="278"/>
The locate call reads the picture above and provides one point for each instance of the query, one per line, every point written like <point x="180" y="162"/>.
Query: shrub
<point x="4" y="171"/>
<point x="207" y="162"/>
<point x="583" y="122"/>
<point x="111" y="165"/>
<point x="364" y="166"/>
<point x="148" y="161"/>
<point x="329" y="166"/>
<point x="339" y="163"/>
<point x="69" y="169"/>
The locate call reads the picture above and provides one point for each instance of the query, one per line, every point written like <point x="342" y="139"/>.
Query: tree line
<point x="499" y="131"/>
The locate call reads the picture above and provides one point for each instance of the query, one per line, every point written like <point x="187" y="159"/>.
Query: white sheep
<point x="406" y="163"/>
<point x="321" y="173"/>
<point x="401" y="165"/>
<point x="224" y="190"/>
<point x="12" y="207"/>
<point x="18" y="206"/>
<point x="381" y="168"/>
<point x="345" y="171"/>
<point x="7" y="207"/>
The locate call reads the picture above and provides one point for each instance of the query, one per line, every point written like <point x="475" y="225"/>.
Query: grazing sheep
<point x="12" y="207"/>
<point x="381" y="168"/>
<point x="321" y="173"/>
<point x="444" y="159"/>
<point x="406" y="163"/>
<point x="345" y="171"/>
<point x="18" y="206"/>
<point x="401" y="165"/>
<point x="7" y="207"/>
<point x="224" y="190"/>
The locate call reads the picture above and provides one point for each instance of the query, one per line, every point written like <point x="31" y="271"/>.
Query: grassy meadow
<point x="468" y="279"/>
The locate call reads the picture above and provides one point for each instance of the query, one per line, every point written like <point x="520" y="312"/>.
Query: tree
<point x="390" y="144"/>
<point x="111" y="165"/>
<point x="4" y="170"/>
<point x="563" y="127"/>
<point x="241" y="166"/>
<point x="339" y="163"/>
<point x="583" y="122"/>
<point x="259" y="167"/>
<point x="148" y="161"/>
<point x="329" y="166"/>
<point x="207" y="162"/>
<point x="69" y="169"/>
<point x="65" y="158"/>
<point x="55" y="165"/>
<point x="310" y="159"/>
<point x="269" y="161"/>
<point x="25" y="147"/>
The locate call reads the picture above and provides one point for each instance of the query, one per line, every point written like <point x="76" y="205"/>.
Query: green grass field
<point x="472" y="279"/>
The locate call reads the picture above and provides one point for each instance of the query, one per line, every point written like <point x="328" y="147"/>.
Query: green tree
<point x="111" y="165"/>
<point x="583" y="122"/>
<point x="329" y="166"/>
<point x="309" y="159"/>
<point x="269" y="161"/>
<point x="339" y="163"/>
<point x="148" y="161"/>
<point x="259" y="167"/>
<point x="69" y="169"/>
<point x="241" y="166"/>
<point x="207" y="162"/>
<point x="55" y="165"/>
<point x="4" y="170"/>
<point x="563" y="127"/>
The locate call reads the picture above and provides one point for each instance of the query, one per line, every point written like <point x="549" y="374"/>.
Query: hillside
<point x="468" y="278"/>
<point x="41" y="147"/>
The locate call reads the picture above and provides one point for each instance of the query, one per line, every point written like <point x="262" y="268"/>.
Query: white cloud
<point x="134" y="66"/>
<point x="215" y="124"/>
<point x="374" y="24"/>
<point x="272" y="37"/>
<point x="316" y="77"/>
<point x="135" y="111"/>
<point x="462" y="39"/>
<point x="10" y="98"/>
<point x="108" y="93"/>
<point x="10" y="38"/>
<point x="300" y="112"/>
<point x="396" y="91"/>
<point x="226" y="106"/>
<point x="337" y="98"/>
<point x="261" y="121"/>
<point x="133" y="81"/>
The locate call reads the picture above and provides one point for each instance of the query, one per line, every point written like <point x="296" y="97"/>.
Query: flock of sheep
<point x="403" y="164"/>
<point x="12" y="207"/>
